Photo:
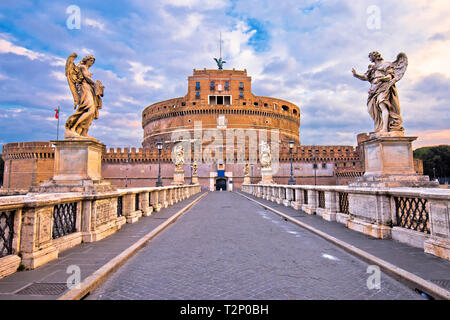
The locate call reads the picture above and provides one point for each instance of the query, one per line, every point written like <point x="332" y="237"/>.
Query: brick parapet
<point x="28" y="150"/>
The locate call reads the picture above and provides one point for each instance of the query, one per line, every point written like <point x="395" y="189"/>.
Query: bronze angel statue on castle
<point x="383" y="104"/>
<point x="87" y="96"/>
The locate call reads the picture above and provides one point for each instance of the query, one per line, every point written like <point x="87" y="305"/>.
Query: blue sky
<point x="300" y="51"/>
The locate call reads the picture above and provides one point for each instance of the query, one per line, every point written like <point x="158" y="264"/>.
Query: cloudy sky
<point x="300" y="51"/>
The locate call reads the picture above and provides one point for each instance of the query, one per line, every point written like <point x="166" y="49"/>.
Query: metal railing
<point x="120" y="206"/>
<point x="343" y="203"/>
<point x="412" y="213"/>
<point x="64" y="219"/>
<point x="6" y="232"/>
<point x="321" y="196"/>
<point x="136" y="202"/>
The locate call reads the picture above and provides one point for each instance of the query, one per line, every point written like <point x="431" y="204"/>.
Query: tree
<point x="435" y="157"/>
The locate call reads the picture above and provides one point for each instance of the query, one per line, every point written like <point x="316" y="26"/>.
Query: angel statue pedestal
<point x="77" y="168"/>
<point x="388" y="162"/>
<point x="178" y="177"/>
<point x="266" y="176"/>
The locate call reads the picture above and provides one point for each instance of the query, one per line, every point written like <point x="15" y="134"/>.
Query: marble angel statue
<point x="246" y="169"/>
<point x="179" y="157"/>
<point x="383" y="104"/>
<point x="87" y="96"/>
<point x="194" y="168"/>
<point x="265" y="155"/>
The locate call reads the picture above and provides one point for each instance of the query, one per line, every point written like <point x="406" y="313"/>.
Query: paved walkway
<point x="88" y="256"/>
<point x="227" y="247"/>
<point x="414" y="260"/>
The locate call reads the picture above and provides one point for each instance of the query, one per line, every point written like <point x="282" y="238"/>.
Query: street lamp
<point x="314" y="165"/>
<point x="159" y="183"/>
<point x="251" y="175"/>
<point x="191" y="173"/>
<point x="291" y="146"/>
<point x="128" y="164"/>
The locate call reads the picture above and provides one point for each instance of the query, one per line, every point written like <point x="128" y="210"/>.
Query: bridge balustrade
<point x="34" y="229"/>
<point x="416" y="216"/>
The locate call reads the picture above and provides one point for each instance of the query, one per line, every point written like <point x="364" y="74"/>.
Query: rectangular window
<point x="241" y="95"/>
<point x="220" y="100"/>
<point x="213" y="85"/>
<point x="241" y="86"/>
<point x="197" y="86"/>
<point x="227" y="85"/>
<point x="197" y="95"/>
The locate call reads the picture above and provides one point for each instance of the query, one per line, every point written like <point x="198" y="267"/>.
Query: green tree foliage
<point x="435" y="157"/>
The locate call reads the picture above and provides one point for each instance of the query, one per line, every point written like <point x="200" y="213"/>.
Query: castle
<point x="220" y="101"/>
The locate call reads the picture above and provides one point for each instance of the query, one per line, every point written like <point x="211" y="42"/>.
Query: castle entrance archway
<point x="221" y="184"/>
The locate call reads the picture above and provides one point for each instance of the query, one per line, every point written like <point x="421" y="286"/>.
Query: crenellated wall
<point x="27" y="164"/>
<point x="30" y="163"/>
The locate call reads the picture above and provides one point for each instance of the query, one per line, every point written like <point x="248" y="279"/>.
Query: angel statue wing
<point x="73" y="78"/>
<point x="400" y="65"/>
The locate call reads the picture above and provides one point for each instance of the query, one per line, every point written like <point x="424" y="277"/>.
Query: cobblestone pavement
<point x="228" y="247"/>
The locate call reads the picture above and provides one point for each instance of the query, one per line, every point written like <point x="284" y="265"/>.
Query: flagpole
<point x="57" y="128"/>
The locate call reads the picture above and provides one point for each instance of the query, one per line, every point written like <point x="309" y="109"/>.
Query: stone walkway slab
<point x="229" y="248"/>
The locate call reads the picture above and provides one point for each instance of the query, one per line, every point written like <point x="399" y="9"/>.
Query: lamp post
<point x="159" y="183"/>
<point x="128" y="164"/>
<point x="191" y="173"/>
<point x="314" y="165"/>
<point x="291" y="179"/>
<point x="251" y="175"/>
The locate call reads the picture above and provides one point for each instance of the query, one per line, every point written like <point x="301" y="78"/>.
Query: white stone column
<point x="287" y="201"/>
<point x="310" y="207"/>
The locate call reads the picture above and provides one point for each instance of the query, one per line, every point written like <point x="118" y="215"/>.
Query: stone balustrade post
<point x="297" y="204"/>
<point x="274" y="193"/>
<point x="370" y="213"/>
<point x="310" y="207"/>
<point x="280" y="195"/>
<point x="438" y="243"/>
<point x="36" y="244"/>
<point x="329" y="212"/>
<point x="155" y="202"/>
<point x="289" y="197"/>
<point x="163" y="197"/>
<point x="131" y="214"/>
<point x="147" y="209"/>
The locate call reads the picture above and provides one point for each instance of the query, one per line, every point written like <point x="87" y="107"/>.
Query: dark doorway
<point x="221" y="184"/>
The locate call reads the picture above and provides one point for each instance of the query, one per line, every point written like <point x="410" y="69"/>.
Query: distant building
<point x="219" y="100"/>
